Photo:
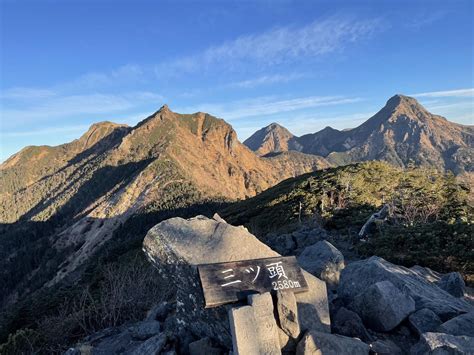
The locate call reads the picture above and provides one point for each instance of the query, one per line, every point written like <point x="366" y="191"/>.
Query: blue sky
<point x="304" y="64"/>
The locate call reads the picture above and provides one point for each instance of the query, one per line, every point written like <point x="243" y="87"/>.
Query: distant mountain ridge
<point x="402" y="132"/>
<point x="60" y="205"/>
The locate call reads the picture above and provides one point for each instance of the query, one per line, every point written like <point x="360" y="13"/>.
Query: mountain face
<point x="59" y="205"/>
<point x="402" y="132"/>
<point x="272" y="139"/>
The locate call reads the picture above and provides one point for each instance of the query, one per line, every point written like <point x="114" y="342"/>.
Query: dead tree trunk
<point x="382" y="214"/>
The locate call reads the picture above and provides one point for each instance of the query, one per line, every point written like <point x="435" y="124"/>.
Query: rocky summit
<point x="378" y="307"/>
<point x="100" y="239"/>
<point x="403" y="132"/>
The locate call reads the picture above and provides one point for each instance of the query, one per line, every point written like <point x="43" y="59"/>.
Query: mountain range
<point x="403" y="132"/>
<point x="64" y="209"/>
<point x="60" y="205"/>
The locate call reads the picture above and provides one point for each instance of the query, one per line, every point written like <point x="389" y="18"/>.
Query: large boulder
<point x="383" y="306"/>
<point x="439" y="343"/>
<point x="460" y="325"/>
<point x="177" y="245"/>
<point x="423" y="321"/>
<point x="453" y="283"/>
<point x="317" y="343"/>
<point x="360" y="275"/>
<point x="426" y="273"/>
<point x="324" y="261"/>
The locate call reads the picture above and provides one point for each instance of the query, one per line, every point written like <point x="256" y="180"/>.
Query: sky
<point x="304" y="64"/>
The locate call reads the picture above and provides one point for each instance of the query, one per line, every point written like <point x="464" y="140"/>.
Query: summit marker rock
<point x="176" y="246"/>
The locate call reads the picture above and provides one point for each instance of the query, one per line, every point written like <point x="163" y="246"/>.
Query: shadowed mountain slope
<point x="78" y="195"/>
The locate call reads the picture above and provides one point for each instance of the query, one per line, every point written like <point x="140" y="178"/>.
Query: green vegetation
<point x="430" y="222"/>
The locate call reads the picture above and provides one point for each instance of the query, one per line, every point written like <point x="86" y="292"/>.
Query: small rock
<point x="203" y="347"/>
<point x="324" y="261"/>
<point x="439" y="343"/>
<point x="385" y="347"/>
<point x="423" y="321"/>
<point x="383" y="306"/>
<point x="287" y="310"/>
<point x="461" y="325"/>
<point x="144" y="330"/>
<point x="453" y="283"/>
<point x="348" y="323"/>
<point x="317" y="343"/>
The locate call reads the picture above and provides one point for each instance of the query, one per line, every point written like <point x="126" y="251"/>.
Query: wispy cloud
<point x="447" y="93"/>
<point x="278" y="45"/>
<point x="22" y="93"/>
<point x="417" y="21"/>
<point x="266" y="80"/>
<point x="46" y="131"/>
<point x="125" y="74"/>
<point x="264" y="106"/>
<point x="73" y="105"/>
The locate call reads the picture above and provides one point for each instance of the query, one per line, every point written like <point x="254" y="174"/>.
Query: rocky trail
<point x="352" y="306"/>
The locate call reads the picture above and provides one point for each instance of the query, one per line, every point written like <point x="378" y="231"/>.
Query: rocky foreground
<point x="367" y="306"/>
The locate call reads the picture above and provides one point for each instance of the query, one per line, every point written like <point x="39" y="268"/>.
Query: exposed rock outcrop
<point x="453" y="284"/>
<point x="382" y="306"/>
<point x="423" y="321"/>
<point x="176" y="246"/>
<point x="460" y="325"/>
<point x="360" y="275"/>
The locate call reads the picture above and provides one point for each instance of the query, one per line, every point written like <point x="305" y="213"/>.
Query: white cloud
<point x="263" y="106"/>
<point x="126" y="74"/>
<point x="74" y="105"/>
<point x="447" y="93"/>
<point x="46" y="131"/>
<point x="278" y="45"/>
<point x="21" y="93"/>
<point x="265" y="80"/>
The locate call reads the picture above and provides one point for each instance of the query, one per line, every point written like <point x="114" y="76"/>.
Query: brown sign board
<point x="232" y="281"/>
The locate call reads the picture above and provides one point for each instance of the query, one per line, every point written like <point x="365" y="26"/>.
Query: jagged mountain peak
<point x="164" y="108"/>
<point x="403" y="130"/>
<point x="275" y="125"/>
<point x="401" y="105"/>
<point x="270" y="139"/>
